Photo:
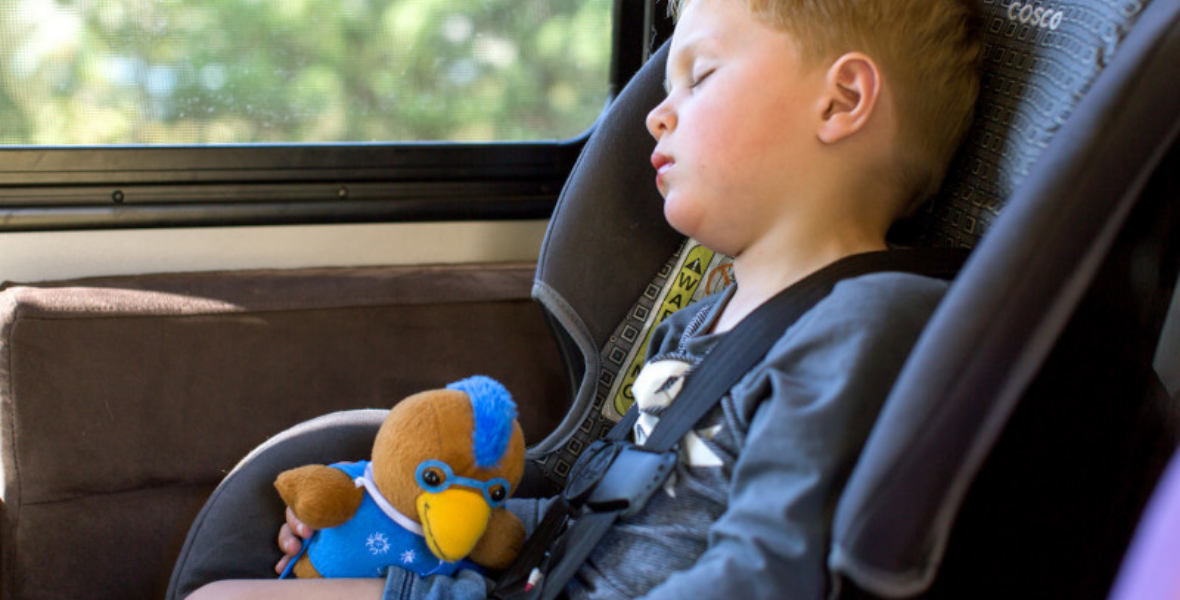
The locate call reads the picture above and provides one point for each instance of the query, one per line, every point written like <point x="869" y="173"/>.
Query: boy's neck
<point x="767" y="268"/>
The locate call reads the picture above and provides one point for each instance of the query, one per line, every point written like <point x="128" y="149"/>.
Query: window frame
<point x="52" y="188"/>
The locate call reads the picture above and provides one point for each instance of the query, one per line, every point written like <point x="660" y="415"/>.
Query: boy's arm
<point x="809" y="416"/>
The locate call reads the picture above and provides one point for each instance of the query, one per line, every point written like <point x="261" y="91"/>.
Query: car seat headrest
<point x="606" y="239"/>
<point x="1040" y="57"/>
<point x="608" y="235"/>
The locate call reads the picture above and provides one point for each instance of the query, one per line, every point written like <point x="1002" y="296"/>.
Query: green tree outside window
<point x="100" y="72"/>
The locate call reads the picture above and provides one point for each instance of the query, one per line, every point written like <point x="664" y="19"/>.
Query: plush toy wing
<point x="319" y="496"/>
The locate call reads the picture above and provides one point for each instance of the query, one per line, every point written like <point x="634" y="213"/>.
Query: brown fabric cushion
<point x="125" y="400"/>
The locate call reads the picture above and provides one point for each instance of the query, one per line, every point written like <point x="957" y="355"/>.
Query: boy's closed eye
<point x="696" y="78"/>
<point x="699" y="76"/>
<point x="691" y="64"/>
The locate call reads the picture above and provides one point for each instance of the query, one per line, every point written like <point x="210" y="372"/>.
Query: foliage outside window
<point x="112" y="72"/>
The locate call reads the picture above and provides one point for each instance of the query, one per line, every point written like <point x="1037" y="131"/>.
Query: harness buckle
<point x="617" y="475"/>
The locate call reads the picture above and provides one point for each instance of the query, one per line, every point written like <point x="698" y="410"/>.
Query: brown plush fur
<point x="501" y="542"/>
<point x="321" y="496"/>
<point x="430" y="425"/>
<point x="304" y="569"/>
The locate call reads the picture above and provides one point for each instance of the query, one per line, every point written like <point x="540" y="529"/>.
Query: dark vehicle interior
<point x="1014" y="457"/>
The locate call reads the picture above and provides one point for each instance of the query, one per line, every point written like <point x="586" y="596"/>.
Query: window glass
<point x="246" y="71"/>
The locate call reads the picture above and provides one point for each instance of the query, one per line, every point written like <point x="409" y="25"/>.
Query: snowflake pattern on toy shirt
<point x="377" y="543"/>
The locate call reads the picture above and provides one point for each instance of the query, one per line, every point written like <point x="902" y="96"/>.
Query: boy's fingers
<point x="297" y="526"/>
<point x="291" y="536"/>
<point x="288" y="543"/>
<point x="282" y="564"/>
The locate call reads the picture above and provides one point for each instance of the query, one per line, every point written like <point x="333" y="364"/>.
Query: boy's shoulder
<point x="876" y="303"/>
<point x="853" y="343"/>
<point x="886" y="291"/>
<point x="866" y="314"/>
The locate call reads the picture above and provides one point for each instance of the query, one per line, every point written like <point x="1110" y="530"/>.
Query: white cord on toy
<point x="370" y="486"/>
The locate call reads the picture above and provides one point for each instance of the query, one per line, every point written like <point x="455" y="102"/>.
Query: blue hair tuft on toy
<point x="494" y="412"/>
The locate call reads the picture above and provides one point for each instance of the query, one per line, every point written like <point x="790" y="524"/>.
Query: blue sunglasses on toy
<point x="435" y="476"/>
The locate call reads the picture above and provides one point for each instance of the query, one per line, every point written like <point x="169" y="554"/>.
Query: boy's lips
<point x="661" y="162"/>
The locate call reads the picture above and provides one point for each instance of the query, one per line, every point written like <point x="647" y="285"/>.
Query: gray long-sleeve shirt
<point x="751" y="517"/>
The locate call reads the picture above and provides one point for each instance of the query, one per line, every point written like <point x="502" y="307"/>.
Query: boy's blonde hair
<point x="928" y="49"/>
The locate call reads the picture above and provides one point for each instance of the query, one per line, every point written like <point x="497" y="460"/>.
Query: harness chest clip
<point x="617" y="475"/>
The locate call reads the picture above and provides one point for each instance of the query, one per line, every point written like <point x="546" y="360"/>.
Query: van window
<point x="183" y="72"/>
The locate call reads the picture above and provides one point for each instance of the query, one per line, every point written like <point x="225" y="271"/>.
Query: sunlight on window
<point x="248" y="71"/>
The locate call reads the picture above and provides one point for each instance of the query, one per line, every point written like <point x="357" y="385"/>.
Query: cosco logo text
<point x="1037" y="16"/>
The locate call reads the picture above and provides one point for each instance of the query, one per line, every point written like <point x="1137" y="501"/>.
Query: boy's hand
<point x="291" y="537"/>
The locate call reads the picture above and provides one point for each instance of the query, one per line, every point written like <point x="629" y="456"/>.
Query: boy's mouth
<point x="662" y="163"/>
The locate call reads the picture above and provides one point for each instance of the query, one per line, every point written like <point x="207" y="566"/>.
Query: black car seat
<point x="1024" y="434"/>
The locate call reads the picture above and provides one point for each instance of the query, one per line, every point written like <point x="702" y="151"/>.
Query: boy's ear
<point x="852" y="86"/>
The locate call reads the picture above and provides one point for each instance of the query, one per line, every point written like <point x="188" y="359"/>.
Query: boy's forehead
<point x="696" y="30"/>
<point x="695" y="21"/>
<point x="711" y="24"/>
<point x="706" y="26"/>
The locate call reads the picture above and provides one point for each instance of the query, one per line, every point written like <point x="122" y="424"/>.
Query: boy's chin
<point x="685" y="231"/>
<point x="691" y="224"/>
<point x="681" y="217"/>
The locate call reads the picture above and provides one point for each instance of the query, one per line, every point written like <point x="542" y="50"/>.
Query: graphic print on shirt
<point x="377" y="543"/>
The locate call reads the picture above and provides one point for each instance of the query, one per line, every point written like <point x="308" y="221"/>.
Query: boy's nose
<point x="661" y="119"/>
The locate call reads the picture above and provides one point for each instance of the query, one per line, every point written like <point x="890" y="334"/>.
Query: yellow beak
<point x="453" y="521"/>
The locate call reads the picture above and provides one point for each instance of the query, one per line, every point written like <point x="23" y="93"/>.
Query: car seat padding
<point x="1039" y="59"/>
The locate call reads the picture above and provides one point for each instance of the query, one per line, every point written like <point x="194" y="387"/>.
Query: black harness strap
<point x="614" y="478"/>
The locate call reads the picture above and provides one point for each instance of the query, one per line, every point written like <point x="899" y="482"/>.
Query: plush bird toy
<point x="431" y="498"/>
